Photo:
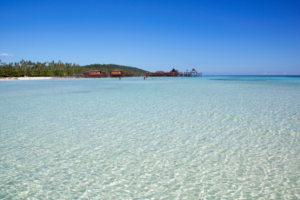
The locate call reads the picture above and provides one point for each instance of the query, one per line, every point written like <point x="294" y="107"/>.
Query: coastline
<point x="47" y="78"/>
<point x="24" y="78"/>
<point x="31" y="78"/>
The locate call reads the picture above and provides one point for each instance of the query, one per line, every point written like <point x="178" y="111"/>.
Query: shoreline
<point x="24" y="78"/>
<point x="47" y="78"/>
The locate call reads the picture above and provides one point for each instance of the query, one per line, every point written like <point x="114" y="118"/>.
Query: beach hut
<point x="97" y="72"/>
<point x="172" y="73"/>
<point x="195" y="73"/>
<point x="86" y="73"/>
<point x="160" y="73"/>
<point x="116" y="72"/>
<point x="126" y="73"/>
<point x="150" y="74"/>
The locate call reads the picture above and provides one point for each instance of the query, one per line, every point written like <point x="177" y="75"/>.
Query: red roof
<point x="116" y="70"/>
<point x="96" y="70"/>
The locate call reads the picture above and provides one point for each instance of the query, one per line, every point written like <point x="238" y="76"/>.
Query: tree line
<point x="28" y="68"/>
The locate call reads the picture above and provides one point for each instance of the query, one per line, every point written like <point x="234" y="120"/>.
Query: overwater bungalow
<point x="176" y="73"/>
<point x="126" y="73"/>
<point x="86" y="73"/>
<point x="159" y="73"/>
<point x="97" y="72"/>
<point x="172" y="73"/>
<point x="94" y="72"/>
<point x="116" y="72"/>
<point x="195" y="73"/>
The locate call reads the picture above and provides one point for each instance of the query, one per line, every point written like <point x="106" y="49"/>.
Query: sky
<point x="216" y="37"/>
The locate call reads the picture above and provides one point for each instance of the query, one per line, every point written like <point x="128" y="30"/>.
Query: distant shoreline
<point x="30" y="78"/>
<point x="48" y="78"/>
<point x="72" y="77"/>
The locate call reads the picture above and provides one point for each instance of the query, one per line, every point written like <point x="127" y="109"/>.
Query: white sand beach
<point x="24" y="78"/>
<point x="33" y="78"/>
<point x="8" y="78"/>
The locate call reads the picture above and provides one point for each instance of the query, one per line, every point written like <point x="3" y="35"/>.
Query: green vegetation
<point x="28" y="68"/>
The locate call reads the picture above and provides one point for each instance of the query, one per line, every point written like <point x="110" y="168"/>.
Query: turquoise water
<point x="161" y="138"/>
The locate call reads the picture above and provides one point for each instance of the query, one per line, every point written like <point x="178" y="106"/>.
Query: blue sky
<point x="213" y="36"/>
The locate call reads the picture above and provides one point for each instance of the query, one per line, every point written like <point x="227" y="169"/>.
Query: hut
<point x="150" y="74"/>
<point x="86" y="73"/>
<point x="160" y="73"/>
<point x="172" y="73"/>
<point x="97" y="72"/>
<point x="195" y="73"/>
<point x="126" y="73"/>
<point x="116" y="72"/>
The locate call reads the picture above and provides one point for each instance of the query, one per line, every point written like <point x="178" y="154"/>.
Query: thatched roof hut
<point x="97" y="72"/>
<point x="160" y="73"/>
<point x="126" y="73"/>
<point x="115" y="72"/>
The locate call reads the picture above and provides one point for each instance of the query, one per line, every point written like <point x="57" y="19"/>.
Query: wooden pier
<point x="192" y="73"/>
<point x="175" y="73"/>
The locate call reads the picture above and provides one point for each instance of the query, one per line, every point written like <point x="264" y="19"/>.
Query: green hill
<point x="29" y="68"/>
<point x="108" y="67"/>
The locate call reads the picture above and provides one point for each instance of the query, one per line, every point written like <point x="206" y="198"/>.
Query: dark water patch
<point x="227" y="79"/>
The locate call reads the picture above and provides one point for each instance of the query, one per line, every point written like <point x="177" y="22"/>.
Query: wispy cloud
<point x="5" y="54"/>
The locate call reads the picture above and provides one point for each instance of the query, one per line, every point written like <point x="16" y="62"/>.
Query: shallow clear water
<point x="209" y="137"/>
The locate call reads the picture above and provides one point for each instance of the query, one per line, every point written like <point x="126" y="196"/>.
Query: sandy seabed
<point x="234" y="137"/>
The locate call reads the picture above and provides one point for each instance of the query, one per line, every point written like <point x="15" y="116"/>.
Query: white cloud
<point x="5" y="54"/>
